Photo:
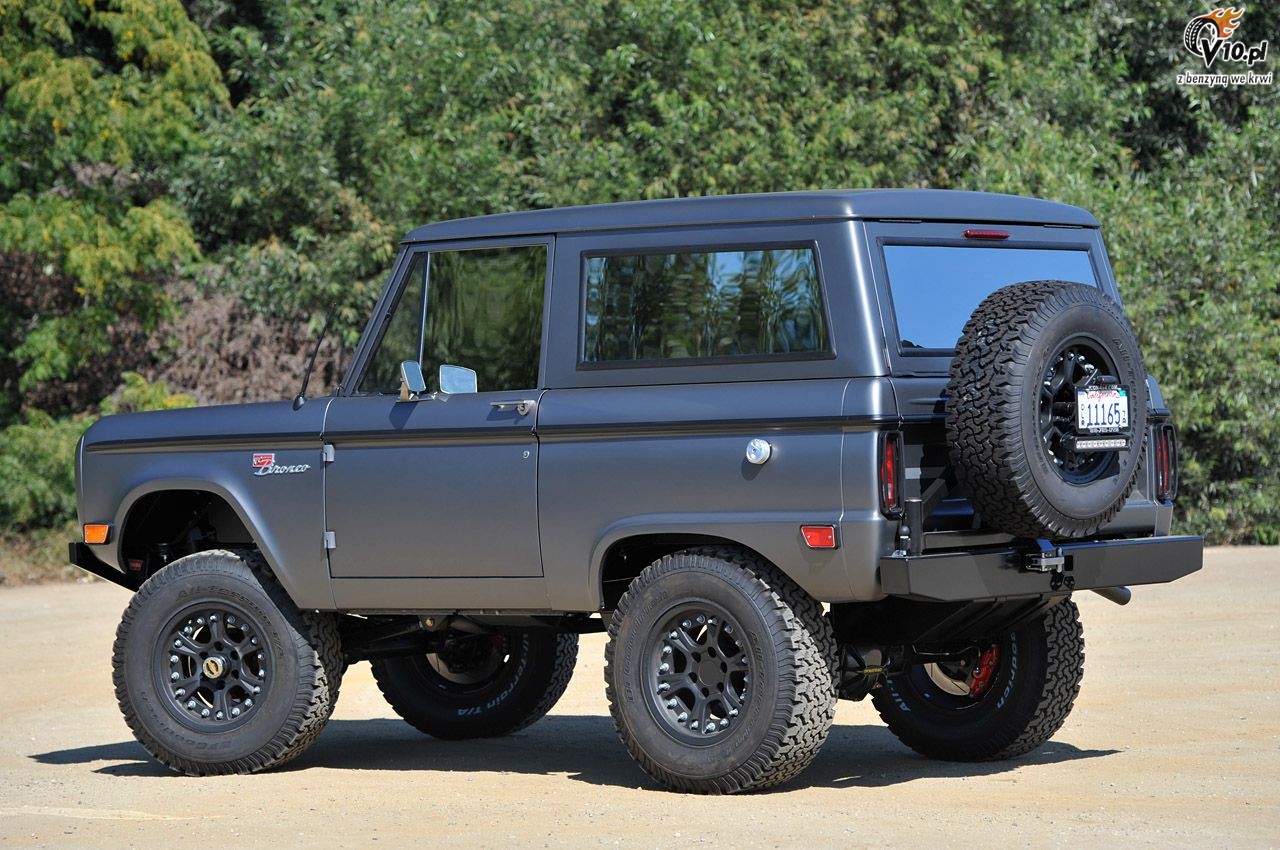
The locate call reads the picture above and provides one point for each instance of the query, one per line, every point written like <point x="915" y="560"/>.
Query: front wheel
<point x="1000" y="699"/>
<point x="480" y="685"/>
<point x="217" y="671"/>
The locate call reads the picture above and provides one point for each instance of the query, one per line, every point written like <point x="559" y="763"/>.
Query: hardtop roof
<point x="816" y="205"/>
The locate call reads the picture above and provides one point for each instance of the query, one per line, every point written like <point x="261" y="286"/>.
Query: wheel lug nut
<point x="218" y="715"/>
<point x="257" y="690"/>
<point x="674" y="635"/>
<point x="733" y="712"/>
<point x="230" y="620"/>
<point x="693" y="725"/>
<point x="173" y="659"/>
<point x="253" y="640"/>
<point x="687" y="624"/>
<point x="682" y="717"/>
<point x="672" y="703"/>
<point x="235" y="712"/>
<point x="180" y="693"/>
<point x="666" y="650"/>
<point x="213" y="618"/>
<point x="663" y="688"/>
<point x="191" y="703"/>
<point x="728" y="629"/>
<point x="701" y="619"/>
<point x="199" y="621"/>
<point x="248" y="702"/>
<point x="204" y="712"/>
<point x="664" y="668"/>
<point x="260" y="656"/>
<point x="174" y="675"/>
<point x="177" y="643"/>
<point x="187" y="630"/>
<point x="724" y="724"/>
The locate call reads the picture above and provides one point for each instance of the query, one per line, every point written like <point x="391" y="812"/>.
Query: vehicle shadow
<point x="584" y="748"/>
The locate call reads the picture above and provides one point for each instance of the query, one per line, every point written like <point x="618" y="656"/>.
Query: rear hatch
<point x="930" y="276"/>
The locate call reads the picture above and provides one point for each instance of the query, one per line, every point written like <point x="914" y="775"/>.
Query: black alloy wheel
<point x="700" y="677"/>
<point x="1078" y="364"/>
<point x="212" y="661"/>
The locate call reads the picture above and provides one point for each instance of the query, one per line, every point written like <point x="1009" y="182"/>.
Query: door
<point x="444" y="485"/>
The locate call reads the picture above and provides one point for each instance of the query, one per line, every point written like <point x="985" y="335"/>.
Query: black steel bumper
<point x="1011" y="572"/>
<point x="82" y="556"/>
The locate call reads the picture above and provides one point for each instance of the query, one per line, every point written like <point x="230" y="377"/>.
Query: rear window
<point x="699" y="305"/>
<point x="936" y="287"/>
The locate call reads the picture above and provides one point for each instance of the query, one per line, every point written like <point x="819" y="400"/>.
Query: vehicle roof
<point x="817" y="205"/>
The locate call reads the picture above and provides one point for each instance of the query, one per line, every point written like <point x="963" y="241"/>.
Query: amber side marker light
<point x="819" y="536"/>
<point x="986" y="234"/>
<point x="96" y="532"/>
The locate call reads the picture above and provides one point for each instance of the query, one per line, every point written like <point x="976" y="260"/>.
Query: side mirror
<point x="412" y="383"/>
<point x="457" y="379"/>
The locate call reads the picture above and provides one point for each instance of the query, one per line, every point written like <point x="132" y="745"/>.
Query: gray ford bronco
<point x="785" y="449"/>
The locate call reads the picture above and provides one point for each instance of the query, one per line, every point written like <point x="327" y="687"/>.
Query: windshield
<point x="936" y="287"/>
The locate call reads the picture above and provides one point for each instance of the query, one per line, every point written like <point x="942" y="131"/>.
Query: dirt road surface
<point x="1175" y="741"/>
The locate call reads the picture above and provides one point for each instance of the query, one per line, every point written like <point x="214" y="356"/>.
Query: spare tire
<point x="1012" y="406"/>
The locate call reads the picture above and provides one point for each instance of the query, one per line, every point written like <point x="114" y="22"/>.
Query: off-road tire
<point x="792" y="653"/>
<point x="301" y="650"/>
<point x="993" y="409"/>
<point x="526" y="686"/>
<point x="1028" y="700"/>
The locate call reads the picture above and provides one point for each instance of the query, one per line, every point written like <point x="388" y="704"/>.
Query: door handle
<point x="521" y="407"/>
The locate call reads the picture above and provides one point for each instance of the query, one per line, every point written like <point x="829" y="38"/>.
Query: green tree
<point x="97" y="100"/>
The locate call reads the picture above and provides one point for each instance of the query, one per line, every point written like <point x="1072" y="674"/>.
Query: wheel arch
<point x="626" y="557"/>
<point x="161" y="512"/>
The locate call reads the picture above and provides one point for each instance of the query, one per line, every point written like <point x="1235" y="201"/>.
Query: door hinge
<point x="327" y="452"/>
<point x="330" y="540"/>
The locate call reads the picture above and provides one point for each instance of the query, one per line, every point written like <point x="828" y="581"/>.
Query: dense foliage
<point x="169" y="171"/>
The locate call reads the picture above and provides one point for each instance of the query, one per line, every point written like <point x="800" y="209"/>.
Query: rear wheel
<point x="216" y="670"/>
<point x="997" y="700"/>
<point x="480" y="685"/>
<point x="719" y="672"/>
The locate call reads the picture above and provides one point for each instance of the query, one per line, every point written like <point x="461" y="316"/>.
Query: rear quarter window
<point x="703" y="305"/>
<point x="935" y="288"/>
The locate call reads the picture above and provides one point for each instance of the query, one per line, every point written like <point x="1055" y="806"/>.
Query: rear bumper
<point x="1003" y="573"/>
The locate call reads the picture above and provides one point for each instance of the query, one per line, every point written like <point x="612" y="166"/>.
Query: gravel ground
<point x="1175" y="741"/>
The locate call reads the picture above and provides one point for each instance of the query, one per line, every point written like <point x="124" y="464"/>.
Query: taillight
<point x="891" y="474"/>
<point x="1165" y="457"/>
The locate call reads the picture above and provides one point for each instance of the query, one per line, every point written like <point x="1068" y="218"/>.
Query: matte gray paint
<point x="126" y="457"/>
<point x="718" y="210"/>
<point x="614" y="452"/>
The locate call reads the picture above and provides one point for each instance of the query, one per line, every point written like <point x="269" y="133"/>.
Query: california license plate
<point x="1102" y="409"/>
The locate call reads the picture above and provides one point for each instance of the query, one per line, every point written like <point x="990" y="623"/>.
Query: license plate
<point x="1102" y="409"/>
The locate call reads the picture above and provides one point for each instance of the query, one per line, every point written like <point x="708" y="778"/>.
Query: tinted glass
<point x="400" y="341"/>
<point x="484" y="311"/>
<point x="704" y="304"/>
<point x="935" y="288"/>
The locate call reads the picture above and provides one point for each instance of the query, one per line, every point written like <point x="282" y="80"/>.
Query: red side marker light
<point x="819" y="536"/>
<point x="986" y="234"/>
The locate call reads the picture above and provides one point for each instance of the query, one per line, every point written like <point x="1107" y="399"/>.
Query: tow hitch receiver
<point x="1049" y="559"/>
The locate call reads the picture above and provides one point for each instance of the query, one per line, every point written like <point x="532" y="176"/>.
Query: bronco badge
<point x="264" y="463"/>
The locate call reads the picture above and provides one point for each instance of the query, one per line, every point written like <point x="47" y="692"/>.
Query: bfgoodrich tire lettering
<point x="1002" y="430"/>
<point x="1032" y="692"/>
<point x="515" y="681"/>
<point x="301" y="667"/>
<point x="789" y="649"/>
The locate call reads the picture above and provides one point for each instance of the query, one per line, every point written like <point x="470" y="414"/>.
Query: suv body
<point x="610" y="430"/>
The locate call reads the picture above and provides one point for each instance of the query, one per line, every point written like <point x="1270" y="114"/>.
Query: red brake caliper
<point x="984" y="672"/>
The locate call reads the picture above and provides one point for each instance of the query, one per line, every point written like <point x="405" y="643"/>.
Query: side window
<point x="484" y="311"/>
<point x="402" y="338"/>
<point x="703" y="304"/>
